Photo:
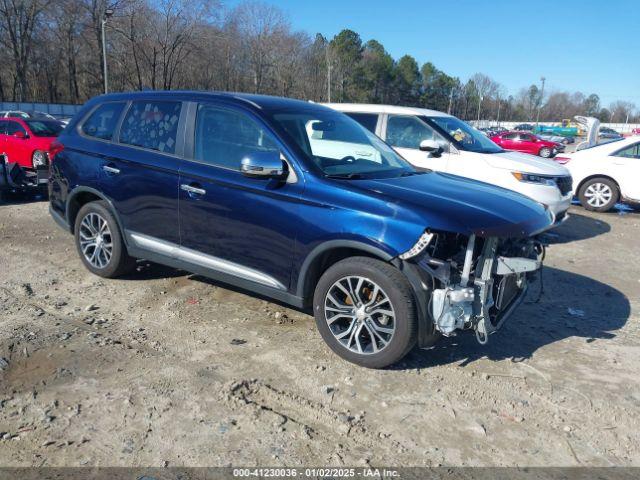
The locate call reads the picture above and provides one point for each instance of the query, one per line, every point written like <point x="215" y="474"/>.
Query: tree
<point x="376" y="67"/>
<point x="592" y="105"/>
<point x="407" y="81"/>
<point x="19" y="20"/>
<point x="346" y="52"/>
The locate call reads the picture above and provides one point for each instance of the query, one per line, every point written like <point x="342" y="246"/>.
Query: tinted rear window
<point x="45" y="128"/>
<point x="103" y="121"/>
<point x="152" y="125"/>
<point x="367" y="120"/>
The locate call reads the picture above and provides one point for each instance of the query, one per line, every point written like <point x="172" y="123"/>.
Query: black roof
<point x="255" y="101"/>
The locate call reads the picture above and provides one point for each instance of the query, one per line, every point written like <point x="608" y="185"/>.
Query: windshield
<point x="464" y="136"/>
<point x="45" y="128"/>
<point x="340" y="146"/>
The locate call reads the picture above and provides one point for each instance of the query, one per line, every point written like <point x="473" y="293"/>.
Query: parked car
<point x="606" y="173"/>
<point x="26" y="115"/>
<point x="27" y="141"/>
<point x="231" y="186"/>
<point x="635" y="131"/>
<point x="441" y="142"/>
<point x="524" y="127"/>
<point x="551" y="137"/>
<point x="609" y="133"/>
<point x="13" y="114"/>
<point x="527" y="143"/>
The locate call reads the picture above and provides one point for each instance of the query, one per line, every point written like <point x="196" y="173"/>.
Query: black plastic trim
<point x="246" y="285"/>
<point x="331" y="245"/>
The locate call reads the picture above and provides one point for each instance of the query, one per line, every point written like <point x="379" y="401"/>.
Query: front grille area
<point x="565" y="184"/>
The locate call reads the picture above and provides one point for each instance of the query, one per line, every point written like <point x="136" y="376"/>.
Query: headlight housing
<point x="534" y="178"/>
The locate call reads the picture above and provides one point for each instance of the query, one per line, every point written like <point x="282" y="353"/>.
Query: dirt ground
<point x="168" y="369"/>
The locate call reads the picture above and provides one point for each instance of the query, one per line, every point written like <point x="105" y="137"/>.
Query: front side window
<point x="463" y="135"/>
<point x="408" y="132"/>
<point x="152" y="125"/>
<point x="340" y="146"/>
<point x="224" y="137"/>
<point x="45" y="128"/>
<point x="509" y="136"/>
<point x="367" y="120"/>
<point x="630" y="152"/>
<point x="103" y="120"/>
<point x="15" y="127"/>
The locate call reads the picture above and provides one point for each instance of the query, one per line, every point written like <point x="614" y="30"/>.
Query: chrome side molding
<point x="197" y="258"/>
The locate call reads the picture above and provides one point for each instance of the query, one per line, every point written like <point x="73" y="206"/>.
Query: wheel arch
<point x="323" y="256"/>
<point x="591" y="177"/>
<point x="80" y="197"/>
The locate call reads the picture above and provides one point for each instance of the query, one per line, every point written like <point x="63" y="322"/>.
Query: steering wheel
<point x="348" y="159"/>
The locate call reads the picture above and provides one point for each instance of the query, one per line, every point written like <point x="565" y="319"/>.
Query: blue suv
<point x="297" y="202"/>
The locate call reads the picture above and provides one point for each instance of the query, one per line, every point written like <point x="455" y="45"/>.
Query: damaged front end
<point x="470" y="282"/>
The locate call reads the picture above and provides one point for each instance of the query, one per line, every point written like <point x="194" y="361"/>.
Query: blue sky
<point x="592" y="46"/>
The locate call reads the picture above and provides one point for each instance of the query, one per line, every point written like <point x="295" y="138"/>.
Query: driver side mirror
<point x="264" y="165"/>
<point x="21" y="135"/>
<point x="432" y="147"/>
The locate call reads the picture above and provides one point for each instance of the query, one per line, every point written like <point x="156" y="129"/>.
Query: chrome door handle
<point x="194" y="190"/>
<point x="111" y="170"/>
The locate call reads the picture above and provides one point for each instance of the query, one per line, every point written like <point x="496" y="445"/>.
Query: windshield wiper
<point x="345" y="176"/>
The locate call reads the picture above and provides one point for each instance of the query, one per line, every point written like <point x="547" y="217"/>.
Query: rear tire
<point x="376" y="324"/>
<point x="599" y="194"/>
<point x="99" y="241"/>
<point x="545" y="152"/>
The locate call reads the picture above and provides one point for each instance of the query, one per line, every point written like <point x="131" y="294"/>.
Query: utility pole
<point x="329" y="82"/>
<point x="498" y="117"/>
<point x="329" y="67"/>
<point x="542" y="79"/>
<point x="450" y="101"/>
<point x="107" y="13"/>
<point x="479" y="105"/>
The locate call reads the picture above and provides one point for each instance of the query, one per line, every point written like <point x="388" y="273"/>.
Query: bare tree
<point x="19" y="20"/>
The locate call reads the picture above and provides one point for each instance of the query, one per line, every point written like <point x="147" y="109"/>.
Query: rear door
<point x="239" y="225"/>
<point x="140" y="171"/>
<point x="626" y="170"/>
<point x="405" y="133"/>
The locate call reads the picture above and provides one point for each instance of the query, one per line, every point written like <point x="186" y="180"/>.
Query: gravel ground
<point x="164" y="368"/>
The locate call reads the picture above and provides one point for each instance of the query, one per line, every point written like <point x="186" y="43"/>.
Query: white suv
<point x="441" y="142"/>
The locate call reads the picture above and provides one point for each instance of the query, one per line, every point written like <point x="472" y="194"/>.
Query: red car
<point x="26" y="141"/>
<point x="527" y="143"/>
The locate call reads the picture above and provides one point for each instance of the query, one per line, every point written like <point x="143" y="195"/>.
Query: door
<point x="626" y="170"/>
<point x="17" y="144"/>
<point x="405" y="133"/>
<point x="140" y="172"/>
<point x="526" y="143"/>
<point x="508" y="141"/>
<point x="242" y="226"/>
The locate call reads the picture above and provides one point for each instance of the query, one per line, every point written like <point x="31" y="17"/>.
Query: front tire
<point x="99" y="242"/>
<point x="545" y="152"/>
<point x="365" y="311"/>
<point x="599" y="194"/>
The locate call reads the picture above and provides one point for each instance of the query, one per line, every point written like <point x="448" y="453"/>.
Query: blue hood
<point x="457" y="204"/>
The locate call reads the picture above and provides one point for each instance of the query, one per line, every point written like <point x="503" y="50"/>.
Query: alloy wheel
<point x="95" y="240"/>
<point x="598" y="194"/>
<point x="359" y="315"/>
